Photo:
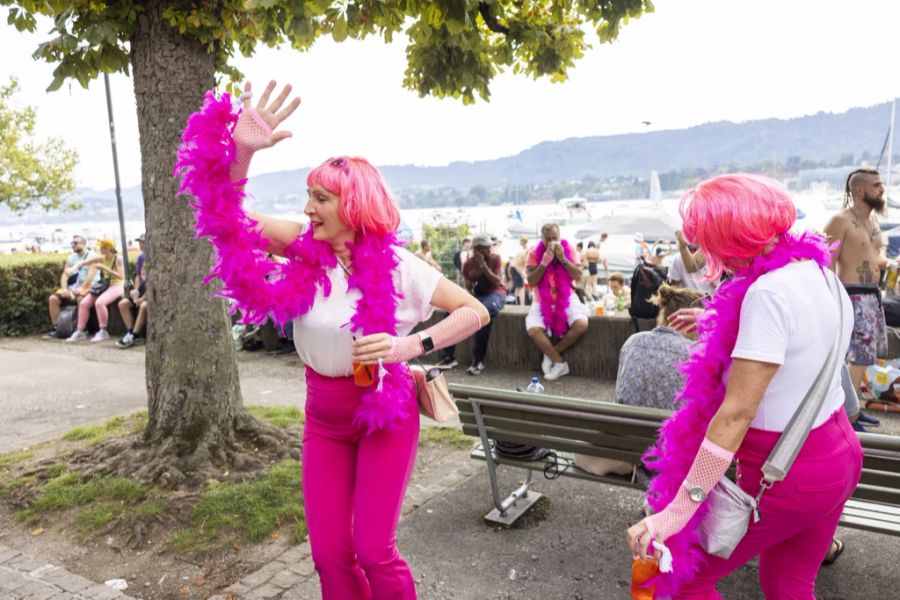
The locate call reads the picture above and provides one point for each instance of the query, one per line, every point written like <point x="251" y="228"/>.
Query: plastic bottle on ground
<point x="535" y="386"/>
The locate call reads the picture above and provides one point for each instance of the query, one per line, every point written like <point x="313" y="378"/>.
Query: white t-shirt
<point x="790" y="318"/>
<point x="695" y="280"/>
<point x="322" y="340"/>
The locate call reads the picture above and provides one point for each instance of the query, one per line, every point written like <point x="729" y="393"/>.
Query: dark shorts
<point x="517" y="281"/>
<point x="869" y="339"/>
<point x="592" y="268"/>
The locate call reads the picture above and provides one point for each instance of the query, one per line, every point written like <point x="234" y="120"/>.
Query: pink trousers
<point x="798" y="516"/>
<point x="353" y="488"/>
<point x="112" y="294"/>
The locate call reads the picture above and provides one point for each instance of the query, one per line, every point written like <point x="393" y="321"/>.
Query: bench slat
<point x="869" y="525"/>
<point x="590" y="436"/>
<point x="877" y="494"/>
<point x="874" y="507"/>
<point x="880" y="478"/>
<point x="645" y="430"/>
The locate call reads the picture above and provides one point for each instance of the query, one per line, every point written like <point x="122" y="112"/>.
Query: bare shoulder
<point x="838" y="224"/>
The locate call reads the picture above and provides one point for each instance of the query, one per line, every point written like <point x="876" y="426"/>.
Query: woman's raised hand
<point x="254" y="134"/>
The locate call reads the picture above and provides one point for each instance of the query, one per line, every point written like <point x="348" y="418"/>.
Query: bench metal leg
<point x="508" y="509"/>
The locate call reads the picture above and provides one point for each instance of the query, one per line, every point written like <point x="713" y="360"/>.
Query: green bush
<point x="26" y="280"/>
<point x="25" y="283"/>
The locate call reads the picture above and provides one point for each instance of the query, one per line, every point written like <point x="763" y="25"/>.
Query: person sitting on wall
<point x="556" y="311"/>
<point x="136" y="299"/>
<point x="73" y="282"/>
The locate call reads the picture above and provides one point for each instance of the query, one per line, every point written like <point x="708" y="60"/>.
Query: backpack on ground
<point x="67" y="321"/>
<point x="645" y="281"/>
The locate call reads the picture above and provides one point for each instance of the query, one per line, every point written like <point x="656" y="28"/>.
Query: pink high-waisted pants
<point x="100" y="303"/>
<point x="353" y="488"/>
<point x="798" y="516"/>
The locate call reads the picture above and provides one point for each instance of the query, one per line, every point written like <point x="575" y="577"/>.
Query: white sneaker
<point x="78" y="336"/>
<point x="557" y="371"/>
<point x="545" y="366"/>
<point x="100" y="336"/>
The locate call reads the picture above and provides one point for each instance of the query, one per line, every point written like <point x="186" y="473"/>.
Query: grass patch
<point x="445" y="436"/>
<point x="94" y="434"/>
<point x="248" y="512"/>
<point x="279" y="416"/>
<point x="104" y="500"/>
<point x="16" y="484"/>
<point x="11" y="459"/>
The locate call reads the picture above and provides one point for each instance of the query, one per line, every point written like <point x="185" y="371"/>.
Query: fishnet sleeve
<point x="709" y="466"/>
<point x="250" y="134"/>
<point x="460" y="324"/>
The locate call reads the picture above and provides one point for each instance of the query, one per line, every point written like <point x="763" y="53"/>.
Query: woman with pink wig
<point x="353" y="295"/>
<point x="764" y="338"/>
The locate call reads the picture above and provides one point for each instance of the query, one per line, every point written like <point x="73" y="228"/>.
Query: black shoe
<point x="837" y="548"/>
<point x="867" y="420"/>
<point x="447" y="363"/>
<point x="857" y="426"/>
<point x="475" y="369"/>
<point x="53" y="332"/>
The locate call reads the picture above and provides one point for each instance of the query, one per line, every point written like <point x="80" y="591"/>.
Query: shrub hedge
<point x="26" y="280"/>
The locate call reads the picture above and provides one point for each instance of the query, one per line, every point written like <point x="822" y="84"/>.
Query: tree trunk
<point x="197" y="424"/>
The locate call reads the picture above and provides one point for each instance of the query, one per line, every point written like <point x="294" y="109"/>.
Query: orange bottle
<point x="642" y="571"/>
<point x="363" y="375"/>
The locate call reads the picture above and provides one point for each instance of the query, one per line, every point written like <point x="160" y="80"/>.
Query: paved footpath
<point x="25" y="577"/>
<point x="291" y="576"/>
<point x="573" y="551"/>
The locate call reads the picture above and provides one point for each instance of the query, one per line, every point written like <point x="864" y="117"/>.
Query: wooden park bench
<point x="613" y="431"/>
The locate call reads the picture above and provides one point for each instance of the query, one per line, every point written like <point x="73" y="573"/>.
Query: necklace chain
<point x="874" y="231"/>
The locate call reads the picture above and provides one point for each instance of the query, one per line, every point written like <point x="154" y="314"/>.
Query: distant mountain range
<point x="819" y="137"/>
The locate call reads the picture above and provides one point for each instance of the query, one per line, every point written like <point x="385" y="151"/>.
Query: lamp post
<point x="115" y="157"/>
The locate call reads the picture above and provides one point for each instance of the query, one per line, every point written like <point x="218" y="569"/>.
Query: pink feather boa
<point x="263" y="289"/>
<point x="703" y="392"/>
<point x="553" y="309"/>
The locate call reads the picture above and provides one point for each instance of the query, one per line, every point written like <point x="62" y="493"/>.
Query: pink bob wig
<point x="735" y="218"/>
<point x="367" y="205"/>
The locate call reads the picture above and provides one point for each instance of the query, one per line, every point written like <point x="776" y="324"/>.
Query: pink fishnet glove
<point x="460" y="324"/>
<point x="251" y="133"/>
<point x="709" y="466"/>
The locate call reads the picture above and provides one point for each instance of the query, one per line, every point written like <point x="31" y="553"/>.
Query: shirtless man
<point x="517" y="271"/>
<point x="858" y="264"/>
<point x="424" y="252"/>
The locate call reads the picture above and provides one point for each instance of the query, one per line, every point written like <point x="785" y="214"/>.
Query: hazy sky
<point x="690" y="62"/>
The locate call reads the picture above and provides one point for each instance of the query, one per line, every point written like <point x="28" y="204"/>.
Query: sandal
<point x="837" y="548"/>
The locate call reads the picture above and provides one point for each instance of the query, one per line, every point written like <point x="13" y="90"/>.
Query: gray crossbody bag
<point x="730" y="507"/>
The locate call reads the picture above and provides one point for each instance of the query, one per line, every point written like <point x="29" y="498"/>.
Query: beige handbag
<point x="434" y="397"/>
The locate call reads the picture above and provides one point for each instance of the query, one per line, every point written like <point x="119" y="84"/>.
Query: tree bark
<point x="196" y="413"/>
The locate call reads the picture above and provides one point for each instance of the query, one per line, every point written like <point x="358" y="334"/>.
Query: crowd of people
<point x="747" y="314"/>
<point x="95" y="279"/>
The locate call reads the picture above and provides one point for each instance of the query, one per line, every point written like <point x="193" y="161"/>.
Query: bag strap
<point x="793" y="437"/>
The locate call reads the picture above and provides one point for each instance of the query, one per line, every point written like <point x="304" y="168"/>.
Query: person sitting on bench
<point x="648" y="361"/>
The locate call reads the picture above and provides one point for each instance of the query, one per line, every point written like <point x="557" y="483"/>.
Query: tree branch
<point x="484" y="9"/>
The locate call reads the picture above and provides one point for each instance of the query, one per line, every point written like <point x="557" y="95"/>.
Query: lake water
<point x="494" y="220"/>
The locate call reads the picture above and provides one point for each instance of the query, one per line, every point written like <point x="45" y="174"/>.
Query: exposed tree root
<point x="243" y="453"/>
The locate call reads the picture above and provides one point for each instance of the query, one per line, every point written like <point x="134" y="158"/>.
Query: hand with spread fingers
<point x="256" y="126"/>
